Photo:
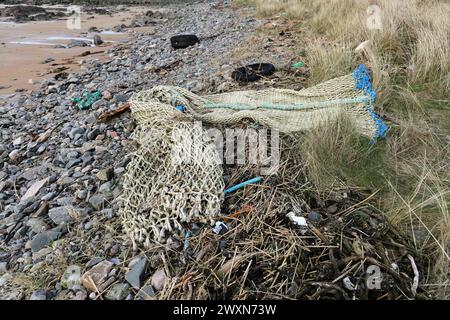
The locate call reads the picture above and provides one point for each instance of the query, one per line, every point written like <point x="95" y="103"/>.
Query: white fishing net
<point x="175" y="175"/>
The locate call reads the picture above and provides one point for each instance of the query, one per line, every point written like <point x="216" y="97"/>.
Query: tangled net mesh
<point x="175" y="176"/>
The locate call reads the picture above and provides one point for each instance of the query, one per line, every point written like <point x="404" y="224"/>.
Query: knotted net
<point x="175" y="176"/>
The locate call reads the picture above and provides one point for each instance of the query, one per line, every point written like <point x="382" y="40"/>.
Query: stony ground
<point x="61" y="169"/>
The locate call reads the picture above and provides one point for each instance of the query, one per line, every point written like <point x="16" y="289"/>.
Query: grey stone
<point x="136" y="274"/>
<point x="34" y="189"/>
<point x="147" y="292"/>
<point x="39" y="294"/>
<point x="97" y="40"/>
<point x="106" y="187"/>
<point x="37" y="225"/>
<point x="314" y="216"/>
<point x="121" y="98"/>
<point x="81" y="194"/>
<point x="118" y="292"/>
<point x="14" y="155"/>
<point x="43" y="239"/>
<point x="97" y="201"/>
<point x="93" y="262"/>
<point x="61" y="215"/>
<point x="3" y="267"/>
<point x="71" y="278"/>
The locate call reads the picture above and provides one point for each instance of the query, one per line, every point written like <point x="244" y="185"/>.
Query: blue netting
<point x="363" y="82"/>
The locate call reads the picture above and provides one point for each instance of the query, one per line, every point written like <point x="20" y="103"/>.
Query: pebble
<point x="39" y="294"/>
<point x="93" y="278"/>
<point x="105" y="174"/>
<point x="97" y="201"/>
<point x="135" y="275"/>
<point x="3" y="267"/>
<point x="314" y="216"/>
<point x="61" y="215"/>
<point x="146" y="293"/>
<point x="119" y="291"/>
<point x="159" y="279"/>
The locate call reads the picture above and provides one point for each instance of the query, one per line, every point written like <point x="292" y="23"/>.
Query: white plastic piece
<point x="300" y="221"/>
<point x="348" y="284"/>
<point x="219" y="227"/>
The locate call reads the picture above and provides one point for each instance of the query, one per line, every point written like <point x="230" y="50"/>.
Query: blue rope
<point x="186" y="240"/>
<point x="243" y="184"/>
<point x="364" y="82"/>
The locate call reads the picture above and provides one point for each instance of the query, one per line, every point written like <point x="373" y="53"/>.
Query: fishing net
<point x="175" y="175"/>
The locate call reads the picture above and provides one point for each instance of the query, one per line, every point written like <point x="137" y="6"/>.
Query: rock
<point x="97" y="40"/>
<point x="106" y="187"/>
<point x="81" y="194"/>
<point x="3" y="267"/>
<point x="71" y="278"/>
<point x="43" y="209"/>
<point x="93" y="278"/>
<point x="41" y="254"/>
<point x="105" y="174"/>
<point x="121" y="97"/>
<point x="97" y="201"/>
<point x="80" y="295"/>
<point x="37" y="225"/>
<point x="107" y="95"/>
<point x="76" y="43"/>
<point x="136" y="274"/>
<point x="48" y="60"/>
<point x="159" y="279"/>
<point x="61" y="215"/>
<point x="333" y="208"/>
<point x="118" y="292"/>
<point x="314" y="216"/>
<point x="93" y="262"/>
<point x="34" y="189"/>
<point x="39" y="294"/>
<point x="43" y="239"/>
<point x="146" y="293"/>
<point x="14" y="155"/>
<point x="18" y="141"/>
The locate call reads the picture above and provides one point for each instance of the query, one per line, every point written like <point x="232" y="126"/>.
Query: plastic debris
<point x="220" y="227"/>
<point x="243" y="184"/>
<point x="87" y="100"/>
<point x="180" y="108"/>
<point x="297" y="65"/>
<point x="108" y="115"/>
<point x="300" y="221"/>
<point x="186" y="240"/>
<point x="348" y="284"/>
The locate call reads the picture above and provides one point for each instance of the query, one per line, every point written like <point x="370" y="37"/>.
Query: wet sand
<point x="24" y="46"/>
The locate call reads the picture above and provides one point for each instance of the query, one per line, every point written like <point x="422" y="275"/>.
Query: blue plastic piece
<point x="243" y="184"/>
<point x="180" y="108"/>
<point x="186" y="240"/>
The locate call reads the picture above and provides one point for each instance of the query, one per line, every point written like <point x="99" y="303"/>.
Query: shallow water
<point x="23" y="47"/>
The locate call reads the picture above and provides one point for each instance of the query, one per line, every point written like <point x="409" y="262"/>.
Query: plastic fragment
<point x="243" y="184"/>
<point x="348" y="284"/>
<point x="300" y="221"/>
<point x="297" y="65"/>
<point x="220" y="227"/>
<point x="87" y="99"/>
